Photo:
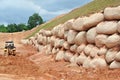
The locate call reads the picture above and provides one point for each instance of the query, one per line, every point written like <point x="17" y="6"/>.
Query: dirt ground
<point x="28" y="64"/>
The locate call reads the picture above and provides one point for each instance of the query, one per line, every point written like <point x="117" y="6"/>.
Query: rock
<point x="114" y="64"/>
<point x="93" y="20"/>
<point x="107" y="27"/>
<point x="113" y="40"/>
<point x="112" y="13"/>
<point x="71" y="36"/>
<point x="80" y="38"/>
<point x="98" y="63"/>
<point x="91" y="34"/>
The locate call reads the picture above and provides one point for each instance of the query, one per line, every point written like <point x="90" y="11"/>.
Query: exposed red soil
<point x="28" y="64"/>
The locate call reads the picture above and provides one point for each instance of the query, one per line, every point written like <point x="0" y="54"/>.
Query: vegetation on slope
<point x="92" y="7"/>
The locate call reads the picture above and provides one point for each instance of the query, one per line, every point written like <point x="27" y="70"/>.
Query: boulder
<point x="91" y="34"/>
<point x="100" y="40"/>
<point x="112" y="13"/>
<point x="114" y="65"/>
<point x="71" y="36"/>
<point x="113" y="40"/>
<point x="93" y="20"/>
<point x="80" y="38"/>
<point x="107" y="27"/>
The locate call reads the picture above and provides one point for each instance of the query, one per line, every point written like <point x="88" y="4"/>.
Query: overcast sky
<point x="18" y="11"/>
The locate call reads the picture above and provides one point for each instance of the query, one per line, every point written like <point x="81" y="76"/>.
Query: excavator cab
<point x="9" y="48"/>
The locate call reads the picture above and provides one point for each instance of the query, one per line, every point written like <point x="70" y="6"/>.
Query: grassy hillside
<point x="92" y="7"/>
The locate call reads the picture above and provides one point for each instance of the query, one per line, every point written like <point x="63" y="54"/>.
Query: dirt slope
<point x="31" y="65"/>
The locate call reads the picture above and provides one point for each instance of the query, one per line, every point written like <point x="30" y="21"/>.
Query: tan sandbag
<point x="102" y="51"/>
<point x="24" y="41"/>
<point x="55" y="30"/>
<point x="87" y="49"/>
<point x="53" y="38"/>
<point x="65" y="35"/>
<point x="48" y="50"/>
<point x="48" y="40"/>
<point x="98" y="63"/>
<point x="110" y="55"/>
<point x="60" y="32"/>
<point x="118" y="27"/>
<point x="68" y="25"/>
<point x="60" y="55"/>
<point x="80" y="38"/>
<point x="100" y="40"/>
<point x="86" y="63"/>
<point x="40" y="48"/>
<point x="91" y="34"/>
<point x="59" y="43"/>
<point x="93" y="20"/>
<point x="112" y="13"/>
<point x="47" y="33"/>
<point x="117" y="57"/>
<point x="71" y="36"/>
<point x="68" y="55"/>
<point x="41" y="31"/>
<point x="114" y="65"/>
<point x="94" y="51"/>
<point x="78" y="24"/>
<point x="113" y="40"/>
<point x="81" y="48"/>
<point x="107" y="27"/>
<point x="44" y="40"/>
<point x="74" y="59"/>
<point x="39" y="40"/>
<point x="81" y="58"/>
<point x="55" y="50"/>
<point x="66" y="45"/>
<point x="73" y="48"/>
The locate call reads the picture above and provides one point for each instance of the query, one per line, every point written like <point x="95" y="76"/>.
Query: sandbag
<point x="94" y="51"/>
<point x="118" y="27"/>
<point x="73" y="48"/>
<point x="113" y="40"/>
<point x="102" y="51"/>
<point x="114" y="65"/>
<point x="117" y="57"/>
<point x="91" y="34"/>
<point x="68" y="55"/>
<point x="40" y="48"/>
<point x="110" y="55"/>
<point x="98" y="63"/>
<point x="48" y="50"/>
<point x="86" y="63"/>
<point x="87" y="49"/>
<point x="60" y="55"/>
<point x="100" y="40"/>
<point x="93" y="20"/>
<point x="60" y="32"/>
<point x="53" y="38"/>
<point x="59" y="43"/>
<point x="68" y="25"/>
<point x="107" y="27"/>
<point x="55" y="50"/>
<point x="74" y="59"/>
<point x="80" y="38"/>
<point x="71" y="36"/>
<point x="55" y="30"/>
<point x="24" y="41"/>
<point x="47" y="33"/>
<point x="48" y="40"/>
<point x="81" y="58"/>
<point x="41" y="31"/>
<point x="39" y="40"/>
<point x="112" y="13"/>
<point x="78" y="24"/>
<point x="65" y="35"/>
<point x="66" y="45"/>
<point x="44" y="40"/>
<point x="80" y="48"/>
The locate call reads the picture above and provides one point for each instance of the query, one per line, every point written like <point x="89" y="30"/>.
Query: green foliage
<point x="86" y="10"/>
<point x="34" y="20"/>
<point x="3" y="28"/>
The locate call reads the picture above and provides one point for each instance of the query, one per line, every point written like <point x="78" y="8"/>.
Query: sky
<point x="18" y="11"/>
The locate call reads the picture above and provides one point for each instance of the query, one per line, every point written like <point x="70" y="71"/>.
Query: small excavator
<point x="9" y="48"/>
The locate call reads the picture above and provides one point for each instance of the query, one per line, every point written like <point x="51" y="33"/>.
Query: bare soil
<point x="28" y="64"/>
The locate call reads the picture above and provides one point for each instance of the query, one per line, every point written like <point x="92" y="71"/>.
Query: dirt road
<point x="31" y="65"/>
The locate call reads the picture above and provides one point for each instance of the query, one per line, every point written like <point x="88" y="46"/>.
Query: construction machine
<point x="9" y="48"/>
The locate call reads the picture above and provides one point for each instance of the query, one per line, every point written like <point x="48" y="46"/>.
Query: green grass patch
<point x="86" y="10"/>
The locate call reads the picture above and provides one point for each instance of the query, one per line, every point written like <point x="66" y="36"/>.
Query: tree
<point x="34" y="20"/>
<point x="12" y="28"/>
<point x="21" y="27"/>
<point x="3" y="28"/>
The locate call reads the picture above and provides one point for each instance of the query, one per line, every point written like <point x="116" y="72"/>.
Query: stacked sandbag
<point x="89" y="41"/>
<point x="24" y="41"/>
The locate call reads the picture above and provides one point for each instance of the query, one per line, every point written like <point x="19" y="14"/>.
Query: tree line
<point x="33" y="21"/>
